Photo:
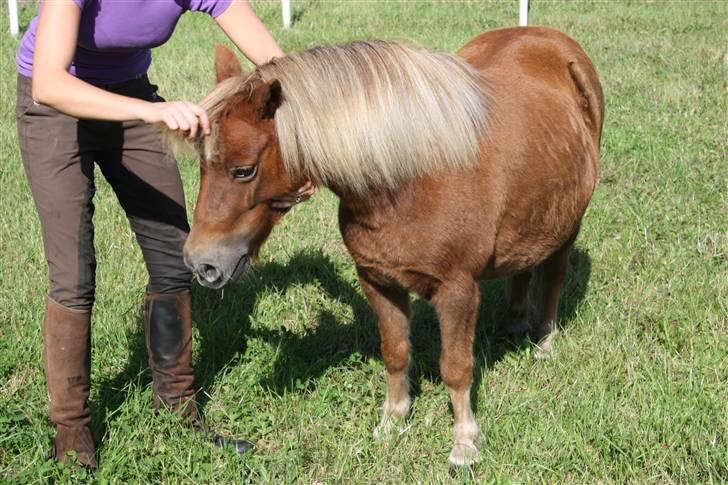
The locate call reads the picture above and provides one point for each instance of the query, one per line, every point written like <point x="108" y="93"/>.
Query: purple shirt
<point x="115" y="37"/>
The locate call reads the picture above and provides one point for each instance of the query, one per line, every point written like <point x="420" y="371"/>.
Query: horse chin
<point x="240" y="268"/>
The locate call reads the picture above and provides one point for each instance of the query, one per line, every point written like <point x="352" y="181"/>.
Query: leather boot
<point x="168" y="326"/>
<point x="67" y="359"/>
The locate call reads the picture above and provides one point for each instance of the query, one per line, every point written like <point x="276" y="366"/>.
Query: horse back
<point x="534" y="58"/>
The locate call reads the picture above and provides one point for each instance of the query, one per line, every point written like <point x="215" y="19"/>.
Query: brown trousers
<point x="59" y="153"/>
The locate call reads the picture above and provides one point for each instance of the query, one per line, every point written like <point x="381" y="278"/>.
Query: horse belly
<point x="546" y="174"/>
<point x="547" y="187"/>
<point x="438" y="232"/>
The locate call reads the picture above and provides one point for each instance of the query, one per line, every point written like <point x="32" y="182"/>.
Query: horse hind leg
<point x="391" y="305"/>
<point x="518" y="321"/>
<point x="552" y="276"/>
<point x="457" y="309"/>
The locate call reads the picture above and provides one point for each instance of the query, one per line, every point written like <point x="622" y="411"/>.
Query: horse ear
<point x="267" y="97"/>
<point x="226" y="63"/>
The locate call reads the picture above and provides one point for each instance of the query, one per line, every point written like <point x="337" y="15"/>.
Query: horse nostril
<point x="209" y="272"/>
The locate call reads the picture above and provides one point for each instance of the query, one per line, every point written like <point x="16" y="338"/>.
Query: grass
<point x="637" y="391"/>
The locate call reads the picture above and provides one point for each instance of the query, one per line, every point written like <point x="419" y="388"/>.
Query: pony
<point x="449" y="168"/>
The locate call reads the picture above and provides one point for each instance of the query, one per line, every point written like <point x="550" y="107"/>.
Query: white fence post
<point x="13" y="13"/>
<point x="523" y="12"/>
<point x="286" y="13"/>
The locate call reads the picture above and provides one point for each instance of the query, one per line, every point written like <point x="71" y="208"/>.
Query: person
<point x="84" y="98"/>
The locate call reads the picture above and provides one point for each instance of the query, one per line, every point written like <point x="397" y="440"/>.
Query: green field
<point x="637" y="390"/>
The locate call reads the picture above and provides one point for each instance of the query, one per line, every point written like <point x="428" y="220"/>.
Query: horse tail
<point x="592" y="98"/>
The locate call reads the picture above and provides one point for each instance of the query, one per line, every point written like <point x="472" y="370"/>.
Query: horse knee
<point x="457" y="371"/>
<point x="395" y="355"/>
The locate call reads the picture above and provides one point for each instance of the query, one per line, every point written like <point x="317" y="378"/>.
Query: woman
<point x="84" y="98"/>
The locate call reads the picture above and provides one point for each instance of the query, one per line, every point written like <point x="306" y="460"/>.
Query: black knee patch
<point x="165" y="331"/>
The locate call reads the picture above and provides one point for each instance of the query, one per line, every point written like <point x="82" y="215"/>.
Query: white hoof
<point x="384" y="429"/>
<point x="545" y="346"/>
<point x="464" y="454"/>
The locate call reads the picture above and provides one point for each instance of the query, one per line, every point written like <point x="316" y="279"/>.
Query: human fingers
<point x="179" y="115"/>
<point x="202" y="116"/>
<point x="177" y="110"/>
<point x="168" y="119"/>
<point x="186" y="108"/>
<point x="307" y="189"/>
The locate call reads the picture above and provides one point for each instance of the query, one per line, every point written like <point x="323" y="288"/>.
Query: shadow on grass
<point x="302" y="359"/>
<point x="489" y="347"/>
<point x="223" y="321"/>
<point x="114" y="390"/>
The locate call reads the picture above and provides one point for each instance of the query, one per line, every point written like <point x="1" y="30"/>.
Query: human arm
<point x="55" y="45"/>
<point x="248" y="33"/>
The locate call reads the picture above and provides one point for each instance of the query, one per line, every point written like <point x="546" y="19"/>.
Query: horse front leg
<point x="391" y="305"/>
<point x="456" y="303"/>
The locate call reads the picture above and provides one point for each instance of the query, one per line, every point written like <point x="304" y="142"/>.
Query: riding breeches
<point x="59" y="154"/>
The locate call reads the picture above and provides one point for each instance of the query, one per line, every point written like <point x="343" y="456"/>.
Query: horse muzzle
<point x="217" y="267"/>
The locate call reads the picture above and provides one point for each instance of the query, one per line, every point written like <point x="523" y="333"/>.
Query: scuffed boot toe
<point x="78" y="440"/>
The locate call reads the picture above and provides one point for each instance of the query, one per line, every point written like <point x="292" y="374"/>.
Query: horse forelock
<point x="368" y="115"/>
<point x="216" y="104"/>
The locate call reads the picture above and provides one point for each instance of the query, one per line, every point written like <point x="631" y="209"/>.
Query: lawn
<point x="637" y="390"/>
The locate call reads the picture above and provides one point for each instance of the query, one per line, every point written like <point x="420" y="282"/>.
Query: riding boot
<point x="168" y="326"/>
<point x="67" y="359"/>
<point x="168" y="322"/>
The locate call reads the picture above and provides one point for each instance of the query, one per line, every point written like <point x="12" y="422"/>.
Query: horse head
<point x="241" y="173"/>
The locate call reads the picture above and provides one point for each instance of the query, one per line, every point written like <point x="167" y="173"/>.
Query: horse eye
<point x="244" y="173"/>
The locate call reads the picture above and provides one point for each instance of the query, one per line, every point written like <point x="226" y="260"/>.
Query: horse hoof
<point x="464" y="455"/>
<point x="383" y="429"/>
<point x="545" y="346"/>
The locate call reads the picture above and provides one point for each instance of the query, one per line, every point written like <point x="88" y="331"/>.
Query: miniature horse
<point x="449" y="169"/>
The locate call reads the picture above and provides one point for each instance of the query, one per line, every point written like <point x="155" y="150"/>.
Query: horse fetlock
<point x="467" y="431"/>
<point x="397" y="409"/>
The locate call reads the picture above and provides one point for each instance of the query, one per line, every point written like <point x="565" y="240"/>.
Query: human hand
<point x="178" y="116"/>
<point x="292" y="198"/>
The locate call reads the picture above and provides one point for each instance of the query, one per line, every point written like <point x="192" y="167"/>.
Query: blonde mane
<point x="369" y="114"/>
